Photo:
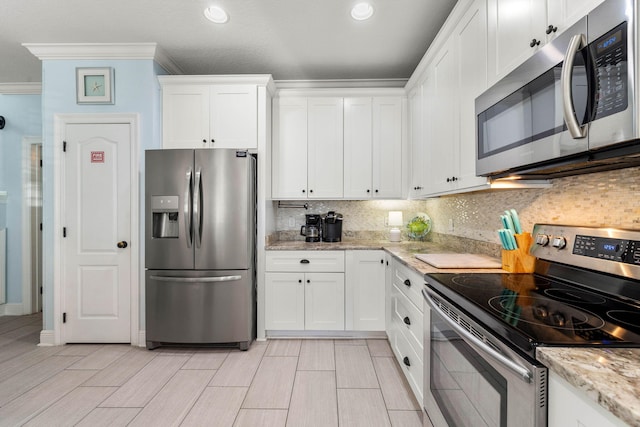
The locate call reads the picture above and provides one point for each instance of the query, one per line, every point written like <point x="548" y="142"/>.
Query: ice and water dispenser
<point x="165" y="216"/>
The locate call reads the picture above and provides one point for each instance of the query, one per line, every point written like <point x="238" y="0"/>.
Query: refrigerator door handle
<point x="197" y="207"/>
<point x="195" y="279"/>
<point x="187" y="208"/>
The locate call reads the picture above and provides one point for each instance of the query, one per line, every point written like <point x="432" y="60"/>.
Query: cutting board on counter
<point x="460" y="260"/>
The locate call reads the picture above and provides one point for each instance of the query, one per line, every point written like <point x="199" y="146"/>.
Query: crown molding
<point x="340" y="83"/>
<point x="57" y="51"/>
<point x="21" y="88"/>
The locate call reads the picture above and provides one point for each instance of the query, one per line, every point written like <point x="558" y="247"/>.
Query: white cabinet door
<point x="365" y="290"/>
<point x="185" y="116"/>
<point x="285" y="301"/>
<point x="387" y="147"/>
<point x="290" y="149"/>
<point x="513" y="26"/>
<point x="234" y="116"/>
<point x="325" y="148"/>
<point x="561" y="14"/>
<point x="324" y="301"/>
<point x="358" y="136"/>
<point x="569" y="406"/>
<point x="441" y="139"/>
<point x="470" y="39"/>
<point x="416" y="140"/>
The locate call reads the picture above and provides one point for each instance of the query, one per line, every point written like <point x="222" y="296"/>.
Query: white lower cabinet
<point x="304" y="290"/>
<point x="365" y="290"/>
<point x="569" y="406"/>
<point x="405" y="329"/>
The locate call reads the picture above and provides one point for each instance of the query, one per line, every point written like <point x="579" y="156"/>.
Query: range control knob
<point x="559" y="242"/>
<point x="558" y="319"/>
<point x="542" y="240"/>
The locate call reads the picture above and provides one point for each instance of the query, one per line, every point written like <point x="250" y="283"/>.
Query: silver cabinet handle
<point x="195" y="279"/>
<point x="187" y="208"/>
<point x="568" y="111"/>
<point x="523" y="373"/>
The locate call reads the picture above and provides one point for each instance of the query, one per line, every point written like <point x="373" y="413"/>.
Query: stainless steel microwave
<point x="571" y="108"/>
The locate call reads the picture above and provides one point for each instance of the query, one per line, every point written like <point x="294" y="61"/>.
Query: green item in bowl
<point x="419" y="226"/>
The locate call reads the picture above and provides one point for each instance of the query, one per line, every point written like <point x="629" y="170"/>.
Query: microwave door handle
<point x="522" y="372"/>
<point x="568" y="111"/>
<point x="187" y="207"/>
<point x="197" y="208"/>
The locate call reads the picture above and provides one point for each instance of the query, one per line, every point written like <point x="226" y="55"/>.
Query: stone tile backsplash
<point x="601" y="199"/>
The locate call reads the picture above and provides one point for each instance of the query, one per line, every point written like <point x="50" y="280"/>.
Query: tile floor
<point x="275" y="383"/>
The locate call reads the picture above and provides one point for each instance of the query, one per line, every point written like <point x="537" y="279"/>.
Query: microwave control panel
<point x="609" y="54"/>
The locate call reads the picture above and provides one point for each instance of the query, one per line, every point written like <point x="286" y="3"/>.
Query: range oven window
<point x="468" y="390"/>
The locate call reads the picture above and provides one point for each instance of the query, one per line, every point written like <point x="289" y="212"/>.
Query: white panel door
<point x="561" y="14"/>
<point x="97" y="222"/>
<point x="416" y="140"/>
<point x="185" y="116"/>
<point x="324" y="301"/>
<point x="284" y="304"/>
<point x="234" y="116"/>
<point x="365" y="290"/>
<point x="387" y="147"/>
<point x="325" y="144"/>
<point x="289" y="149"/>
<point x="358" y="137"/>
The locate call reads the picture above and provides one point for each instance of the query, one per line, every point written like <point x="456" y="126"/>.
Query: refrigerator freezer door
<point x="225" y="222"/>
<point x="200" y="307"/>
<point x="168" y="192"/>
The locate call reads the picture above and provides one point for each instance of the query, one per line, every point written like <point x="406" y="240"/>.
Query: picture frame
<point x="95" y="85"/>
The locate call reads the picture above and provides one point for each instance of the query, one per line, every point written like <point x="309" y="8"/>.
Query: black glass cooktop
<point x="528" y="310"/>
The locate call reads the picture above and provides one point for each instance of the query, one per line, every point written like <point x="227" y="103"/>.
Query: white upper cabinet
<point x="470" y="40"/>
<point x="373" y="147"/>
<point x="387" y="147"/>
<point x="289" y="148"/>
<point x="561" y="14"/>
<point x="333" y="147"/>
<point x="416" y="120"/>
<point x="358" y="154"/>
<point x="325" y="148"/>
<point x="516" y="29"/>
<point x="196" y="115"/>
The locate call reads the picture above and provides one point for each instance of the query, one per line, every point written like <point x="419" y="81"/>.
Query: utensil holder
<point x="519" y="260"/>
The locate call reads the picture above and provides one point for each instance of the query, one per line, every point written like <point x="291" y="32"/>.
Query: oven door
<point x="472" y="379"/>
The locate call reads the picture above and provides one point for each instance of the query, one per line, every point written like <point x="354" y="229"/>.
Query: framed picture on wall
<point x="94" y="85"/>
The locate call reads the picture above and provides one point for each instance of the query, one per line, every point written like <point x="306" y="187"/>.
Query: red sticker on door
<point x="97" y="157"/>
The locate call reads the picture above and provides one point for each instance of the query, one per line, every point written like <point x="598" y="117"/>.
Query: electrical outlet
<point x="450" y="224"/>
<point x="292" y="222"/>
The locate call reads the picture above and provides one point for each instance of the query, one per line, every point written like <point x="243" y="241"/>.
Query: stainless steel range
<point x="484" y="329"/>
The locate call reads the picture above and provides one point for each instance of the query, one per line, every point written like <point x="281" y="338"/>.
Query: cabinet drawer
<point x="409" y="361"/>
<point x="407" y="318"/>
<point x="409" y="283"/>
<point x="305" y="261"/>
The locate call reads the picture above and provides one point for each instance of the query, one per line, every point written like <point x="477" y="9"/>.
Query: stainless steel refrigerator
<point x="200" y="247"/>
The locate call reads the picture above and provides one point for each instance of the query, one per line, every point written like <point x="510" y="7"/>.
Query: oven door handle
<point x="522" y="372"/>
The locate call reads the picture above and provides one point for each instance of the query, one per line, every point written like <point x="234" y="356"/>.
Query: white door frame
<point x="60" y="121"/>
<point x="27" y="196"/>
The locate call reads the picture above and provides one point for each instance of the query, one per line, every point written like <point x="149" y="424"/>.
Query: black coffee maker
<point x="332" y="227"/>
<point x="312" y="228"/>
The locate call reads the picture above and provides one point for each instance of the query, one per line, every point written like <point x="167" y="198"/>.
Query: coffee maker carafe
<point x="312" y="228"/>
<point x="332" y="227"/>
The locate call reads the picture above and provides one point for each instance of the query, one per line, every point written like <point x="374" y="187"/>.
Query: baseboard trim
<point x="47" y="338"/>
<point x="334" y="335"/>
<point x="142" y="339"/>
<point x="11" y="309"/>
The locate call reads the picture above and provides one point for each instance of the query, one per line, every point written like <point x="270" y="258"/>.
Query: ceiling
<point x="290" y="39"/>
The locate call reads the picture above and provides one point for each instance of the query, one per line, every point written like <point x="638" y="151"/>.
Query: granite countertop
<point x="403" y="251"/>
<point x="611" y="377"/>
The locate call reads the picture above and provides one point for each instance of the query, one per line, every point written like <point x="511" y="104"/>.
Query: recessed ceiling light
<point x="362" y="11"/>
<point x="216" y="14"/>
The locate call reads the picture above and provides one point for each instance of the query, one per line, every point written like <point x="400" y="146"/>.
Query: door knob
<point x="122" y="244"/>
